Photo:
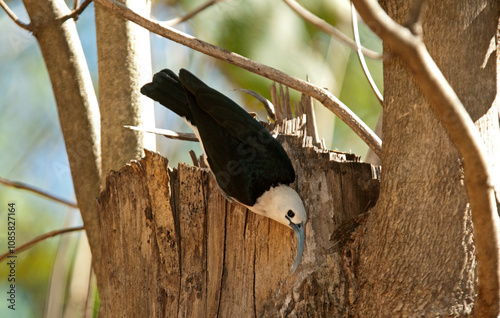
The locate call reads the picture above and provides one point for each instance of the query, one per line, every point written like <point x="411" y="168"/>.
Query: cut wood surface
<point x="174" y="247"/>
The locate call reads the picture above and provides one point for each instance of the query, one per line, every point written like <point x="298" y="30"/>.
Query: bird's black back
<point x="245" y="159"/>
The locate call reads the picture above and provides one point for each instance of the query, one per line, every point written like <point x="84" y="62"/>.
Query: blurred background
<point x="53" y="277"/>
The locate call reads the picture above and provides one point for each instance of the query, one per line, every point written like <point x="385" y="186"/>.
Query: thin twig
<point x="321" y="94"/>
<point x="14" y="17"/>
<point x="361" y="57"/>
<point x="38" y="239"/>
<point x="75" y="13"/>
<point x="267" y="104"/>
<point x="464" y="135"/>
<point x="190" y="14"/>
<point x="75" y="4"/>
<point x="328" y="28"/>
<point x="24" y="186"/>
<point x="166" y="133"/>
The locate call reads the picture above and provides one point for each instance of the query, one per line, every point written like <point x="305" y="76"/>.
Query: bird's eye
<point x="290" y="214"/>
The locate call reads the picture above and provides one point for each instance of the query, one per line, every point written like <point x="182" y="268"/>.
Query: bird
<point x="249" y="165"/>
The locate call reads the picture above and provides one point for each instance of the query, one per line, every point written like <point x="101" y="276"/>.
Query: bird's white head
<point x="283" y="204"/>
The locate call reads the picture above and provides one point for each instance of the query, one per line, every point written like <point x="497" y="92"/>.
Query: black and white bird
<point x="250" y="166"/>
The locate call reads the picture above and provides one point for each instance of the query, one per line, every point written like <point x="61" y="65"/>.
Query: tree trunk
<point x="417" y="254"/>
<point x="76" y="105"/>
<point x="124" y="58"/>
<point x="176" y="248"/>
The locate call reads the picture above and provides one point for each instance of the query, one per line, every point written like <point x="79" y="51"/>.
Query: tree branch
<point x="14" y="17"/>
<point x="38" y="239"/>
<point x="77" y="107"/>
<point x="361" y="57"/>
<point x="166" y="133"/>
<point x="75" y="13"/>
<point x="321" y="94"/>
<point x="24" y="186"/>
<point x="265" y="102"/>
<point x="328" y="28"/>
<point x="453" y="116"/>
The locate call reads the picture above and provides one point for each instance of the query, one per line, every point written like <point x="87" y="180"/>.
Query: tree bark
<point x="417" y="254"/>
<point x="124" y="59"/>
<point x="177" y="248"/>
<point x="76" y="105"/>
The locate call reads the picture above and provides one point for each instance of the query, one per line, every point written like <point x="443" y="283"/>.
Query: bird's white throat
<point x="276" y="201"/>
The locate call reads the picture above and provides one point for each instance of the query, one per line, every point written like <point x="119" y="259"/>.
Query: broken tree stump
<point x="174" y="247"/>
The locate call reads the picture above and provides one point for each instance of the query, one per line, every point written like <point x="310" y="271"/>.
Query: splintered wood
<point x="174" y="247"/>
<point x="298" y="118"/>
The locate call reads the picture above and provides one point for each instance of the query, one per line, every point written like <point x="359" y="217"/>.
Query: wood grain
<point x="176" y="248"/>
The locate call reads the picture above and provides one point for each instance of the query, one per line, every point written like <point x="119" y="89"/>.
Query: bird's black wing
<point x="245" y="159"/>
<point x="166" y="88"/>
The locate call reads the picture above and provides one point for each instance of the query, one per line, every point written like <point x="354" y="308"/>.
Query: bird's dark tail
<point x="192" y="83"/>
<point x="166" y="88"/>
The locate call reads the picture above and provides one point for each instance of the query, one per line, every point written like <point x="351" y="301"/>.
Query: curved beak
<point x="299" y="232"/>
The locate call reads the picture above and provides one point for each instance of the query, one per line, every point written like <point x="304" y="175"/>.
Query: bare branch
<point x="14" y="17"/>
<point x="24" y="186"/>
<point x="464" y="135"/>
<point x="190" y="14"/>
<point x="75" y="4"/>
<point x="328" y="28"/>
<point x="166" y="133"/>
<point x="321" y="94"/>
<point x="75" y="14"/>
<point x="267" y="104"/>
<point x="38" y="239"/>
<point x="77" y="107"/>
<point x="361" y="57"/>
